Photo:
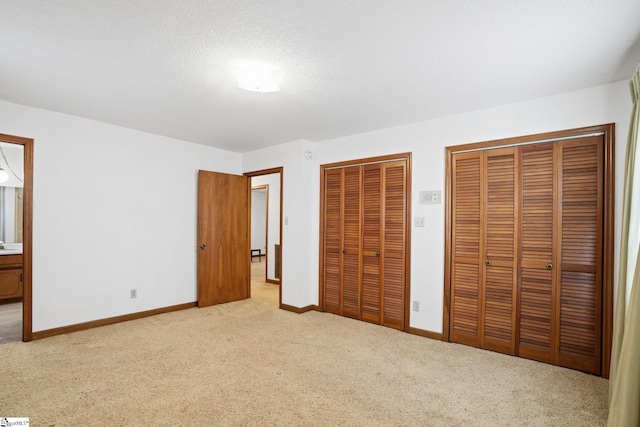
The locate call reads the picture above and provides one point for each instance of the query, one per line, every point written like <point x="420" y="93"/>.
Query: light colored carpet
<point x="249" y="364"/>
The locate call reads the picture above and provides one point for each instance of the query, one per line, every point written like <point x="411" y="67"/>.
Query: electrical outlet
<point x="134" y="293"/>
<point x="416" y="306"/>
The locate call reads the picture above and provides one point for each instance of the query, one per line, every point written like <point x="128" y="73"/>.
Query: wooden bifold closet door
<point x="485" y="249"/>
<point x="364" y="241"/>
<point x="527" y="251"/>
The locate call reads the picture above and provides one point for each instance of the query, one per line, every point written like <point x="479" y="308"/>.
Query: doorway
<point x="16" y="213"/>
<point x="266" y="233"/>
<point x="224" y="236"/>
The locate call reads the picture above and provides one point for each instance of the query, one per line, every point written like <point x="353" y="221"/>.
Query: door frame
<point x="27" y="238"/>
<point x="407" y="266"/>
<point x="262" y="172"/>
<point x="608" y="132"/>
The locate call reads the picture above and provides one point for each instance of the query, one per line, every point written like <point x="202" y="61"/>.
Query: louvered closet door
<point x="538" y="306"/>
<point x="371" y="241"/>
<point x="393" y="255"/>
<point x="498" y="289"/>
<point x="580" y="267"/>
<point x="351" y="243"/>
<point x="333" y="240"/>
<point x="467" y="186"/>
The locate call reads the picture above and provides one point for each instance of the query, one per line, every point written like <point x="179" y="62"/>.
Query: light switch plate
<point x="419" y="221"/>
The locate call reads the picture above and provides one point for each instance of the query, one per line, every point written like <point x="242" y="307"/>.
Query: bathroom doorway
<point x="16" y="181"/>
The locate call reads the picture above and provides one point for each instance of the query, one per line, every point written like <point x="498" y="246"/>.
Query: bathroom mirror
<point x="11" y="193"/>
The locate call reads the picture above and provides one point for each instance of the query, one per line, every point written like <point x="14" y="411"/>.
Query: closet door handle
<point x="549" y="266"/>
<point x="378" y="254"/>
<point x="487" y="262"/>
<point x="203" y="246"/>
<point x="344" y="251"/>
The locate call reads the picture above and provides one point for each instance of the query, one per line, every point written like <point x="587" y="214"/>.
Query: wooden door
<point x="485" y="224"/>
<point x="498" y="290"/>
<point x="393" y="252"/>
<point x="351" y="242"/>
<point x="223" y="238"/>
<point x="364" y="241"/>
<point x="371" y="243"/>
<point x="579" y="269"/>
<point x="530" y="247"/>
<point x="332" y="247"/>
<point x="538" y="251"/>
<point x="343" y="241"/>
<point x="467" y="187"/>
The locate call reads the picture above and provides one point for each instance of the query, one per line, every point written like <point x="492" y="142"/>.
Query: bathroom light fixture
<point x="4" y="176"/>
<point x="257" y="76"/>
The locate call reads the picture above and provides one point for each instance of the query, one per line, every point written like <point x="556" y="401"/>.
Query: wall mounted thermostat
<point x="431" y="197"/>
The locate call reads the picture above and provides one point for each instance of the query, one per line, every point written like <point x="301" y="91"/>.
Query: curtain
<point x="624" y="384"/>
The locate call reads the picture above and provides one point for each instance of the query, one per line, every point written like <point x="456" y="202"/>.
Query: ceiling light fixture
<point x="257" y="76"/>
<point x="4" y="176"/>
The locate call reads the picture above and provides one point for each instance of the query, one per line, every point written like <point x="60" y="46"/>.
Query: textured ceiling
<point x="348" y="66"/>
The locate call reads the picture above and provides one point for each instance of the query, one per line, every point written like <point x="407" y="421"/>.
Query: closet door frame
<point x="406" y="157"/>
<point x="608" y="133"/>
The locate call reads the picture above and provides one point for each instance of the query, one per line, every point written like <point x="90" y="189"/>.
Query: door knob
<point x="377" y="253"/>
<point x="203" y="246"/>
<point x="487" y="262"/>
<point x="549" y="266"/>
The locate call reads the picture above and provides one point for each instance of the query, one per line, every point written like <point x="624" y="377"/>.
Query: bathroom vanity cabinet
<point x="10" y="276"/>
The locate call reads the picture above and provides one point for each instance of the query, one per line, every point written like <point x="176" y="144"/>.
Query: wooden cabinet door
<point x="538" y="283"/>
<point x="498" y="291"/>
<point x="578" y="341"/>
<point x="393" y="253"/>
<point x="10" y="283"/>
<point x="467" y="187"/>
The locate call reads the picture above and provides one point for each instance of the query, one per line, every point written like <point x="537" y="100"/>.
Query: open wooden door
<point x="223" y="238"/>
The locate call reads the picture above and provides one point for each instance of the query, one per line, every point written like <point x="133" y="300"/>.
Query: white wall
<point x="259" y="220"/>
<point x="427" y="141"/>
<point x="298" y="252"/>
<point x="273" y="181"/>
<point x="114" y="209"/>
